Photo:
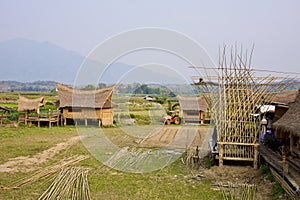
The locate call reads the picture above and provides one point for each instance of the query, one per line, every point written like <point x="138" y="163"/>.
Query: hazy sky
<point x="272" y="25"/>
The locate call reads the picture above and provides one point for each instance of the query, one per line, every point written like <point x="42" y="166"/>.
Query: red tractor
<point x="172" y="118"/>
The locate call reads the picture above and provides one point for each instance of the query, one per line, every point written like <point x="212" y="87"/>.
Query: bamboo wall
<point x="193" y="116"/>
<point x="104" y="115"/>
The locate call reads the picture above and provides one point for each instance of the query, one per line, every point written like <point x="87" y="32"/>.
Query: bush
<point x="277" y="190"/>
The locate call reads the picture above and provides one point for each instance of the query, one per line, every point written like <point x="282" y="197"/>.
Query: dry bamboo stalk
<point x="47" y="172"/>
<point x="70" y="183"/>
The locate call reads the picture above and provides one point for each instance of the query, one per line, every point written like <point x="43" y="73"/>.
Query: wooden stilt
<point x="256" y="152"/>
<point x="221" y="152"/>
<point x="291" y="142"/>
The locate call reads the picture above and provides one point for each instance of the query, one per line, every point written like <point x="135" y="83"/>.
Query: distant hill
<point x="28" y="60"/>
<point x="39" y="86"/>
<point x="25" y="60"/>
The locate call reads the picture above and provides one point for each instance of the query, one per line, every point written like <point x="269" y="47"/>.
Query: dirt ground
<point x="26" y="163"/>
<point x="229" y="174"/>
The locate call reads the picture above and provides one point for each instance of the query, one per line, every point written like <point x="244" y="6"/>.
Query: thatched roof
<point x="29" y="104"/>
<point x="192" y="103"/>
<point x="289" y="122"/>
<point x="70" y="97"/>
<point x="285" y="97"/>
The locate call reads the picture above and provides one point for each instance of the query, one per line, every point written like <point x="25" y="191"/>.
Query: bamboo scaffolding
<point x="235" y="99"/>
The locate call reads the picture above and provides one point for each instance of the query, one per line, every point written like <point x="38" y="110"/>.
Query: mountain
<point x="28" y="60"/>
<point x="25" y="61"/>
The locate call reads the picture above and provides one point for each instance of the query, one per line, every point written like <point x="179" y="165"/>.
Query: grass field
<point x="172" y="182"/>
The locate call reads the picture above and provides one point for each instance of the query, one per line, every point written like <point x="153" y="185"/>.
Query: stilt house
<point x="29" y="109"/>
<point x="193" y="109"/>
<point x="86" y="105"/>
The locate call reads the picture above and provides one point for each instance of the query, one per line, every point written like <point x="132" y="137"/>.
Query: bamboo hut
<point x="4" y="113"/>
<point x="193" y="109"/>
<point x="29" y="108"/>
<point x="92" y="104"/>
<point x="289" y="125"/>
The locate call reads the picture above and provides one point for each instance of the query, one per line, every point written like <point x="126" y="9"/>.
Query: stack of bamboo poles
<point x="70" y="183"/>
<point x="238" y="191"/>
<point x="46" y="173"/>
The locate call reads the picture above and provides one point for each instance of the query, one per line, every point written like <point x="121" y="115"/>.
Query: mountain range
<point x="28" y="60"/>
<point x="25" y="60"/>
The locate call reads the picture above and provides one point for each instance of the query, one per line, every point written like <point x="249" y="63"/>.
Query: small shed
<point x="289" y="125"/>
<point x="86" y="104"/>
<point x="28" y="107"/>
<point x="4" y="112"/>
<point x="193" y="109"/>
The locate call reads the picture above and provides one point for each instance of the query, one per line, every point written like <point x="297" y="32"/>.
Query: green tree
<point x="101" y="85"/>
<point x="89" y="87"/>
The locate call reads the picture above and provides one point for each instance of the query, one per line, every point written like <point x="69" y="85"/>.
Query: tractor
<point x="171" y="118"/>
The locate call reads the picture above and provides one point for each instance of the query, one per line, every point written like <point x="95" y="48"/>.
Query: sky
<point x="272" y="26"/>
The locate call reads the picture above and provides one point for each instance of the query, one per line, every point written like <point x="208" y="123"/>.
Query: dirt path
<point x="161" y="138"/>
<point x="29" y="163"/>
<point x="181" y="138"/>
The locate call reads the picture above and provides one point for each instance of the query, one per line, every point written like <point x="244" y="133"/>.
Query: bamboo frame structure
<point x="234" y="100"/>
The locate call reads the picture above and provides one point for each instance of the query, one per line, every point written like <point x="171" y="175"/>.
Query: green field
<point x="176" y="181"/>
<point x="172" y="182"/>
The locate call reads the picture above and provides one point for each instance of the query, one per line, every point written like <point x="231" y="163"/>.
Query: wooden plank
<point x="239" y="144"/>
<point x="274" y="160"/>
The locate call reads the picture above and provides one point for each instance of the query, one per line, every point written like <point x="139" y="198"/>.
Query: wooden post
<point x="85" y="122"/>
<point x="285" y="167"/>
<point x="291" y="142"/>
<point x="221" y="152"/>
<point x="26" y="117"/>
<point x="256" y="152"/>
<point x="49" y="115"/>
<point x="58" y="116"/>
<point x="201" y="117"/>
